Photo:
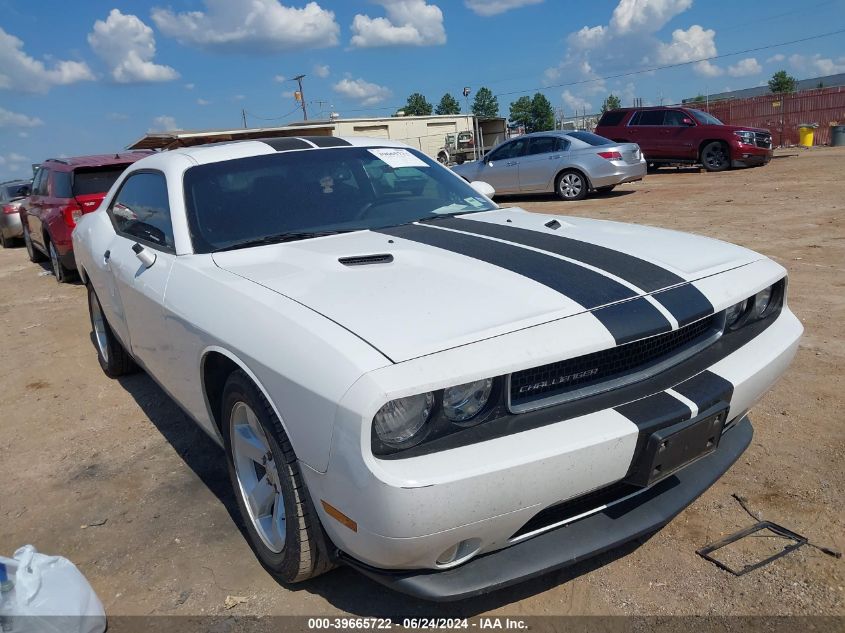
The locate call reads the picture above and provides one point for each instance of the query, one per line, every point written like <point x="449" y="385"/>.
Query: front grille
<point x="584" y="375"/>
<point x="763" y="139"/>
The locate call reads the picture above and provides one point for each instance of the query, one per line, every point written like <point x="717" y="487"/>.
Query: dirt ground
<point x="112" y="475"/>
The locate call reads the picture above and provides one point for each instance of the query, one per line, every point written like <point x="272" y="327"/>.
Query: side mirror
<point x="484" y="188"/>
<point x="687" y="121"/>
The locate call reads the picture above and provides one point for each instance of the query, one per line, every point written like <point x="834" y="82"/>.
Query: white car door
<point x="140" y="259"/>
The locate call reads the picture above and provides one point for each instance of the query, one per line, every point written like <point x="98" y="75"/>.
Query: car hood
<point x="454" y="281"/>
<point x="737" y="128"/>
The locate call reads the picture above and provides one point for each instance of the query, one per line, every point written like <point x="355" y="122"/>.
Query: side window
<point x="511" y="150"/>
<point x="141" y="211"/>
<point x="675" y="118"/>
<point x="61" y="185"/>
<point x="39" y="185"/>
<point x="541" y="145"/>
<point x="647" y="117"/>
<point x="561" y="144"/>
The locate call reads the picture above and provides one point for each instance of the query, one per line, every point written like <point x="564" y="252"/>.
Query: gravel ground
<point x="112" y="475"/>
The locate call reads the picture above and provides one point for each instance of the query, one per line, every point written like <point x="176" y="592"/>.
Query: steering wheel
<point x="369" y="207"/>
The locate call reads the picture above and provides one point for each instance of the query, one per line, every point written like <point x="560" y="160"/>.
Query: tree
<point x="520" y="112"/>
<point x="699" y="98"/>
<point x="417" y="105"/>
<point x="782" y="82"/>
<point x="611" y="103"/>
<point x="542" y="114"/>
<point x="448" y="105"/>
<point x="485" y="104"/>
<point x="534" y="114"/>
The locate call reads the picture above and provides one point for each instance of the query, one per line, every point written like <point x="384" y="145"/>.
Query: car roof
<point x="95" y="160"/>
<point x="670" y="107"/>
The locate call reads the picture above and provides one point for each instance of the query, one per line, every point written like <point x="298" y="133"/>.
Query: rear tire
<point x="61" y="273"/>
<point x="652" y="167"/>
<point x="716" y="156"/>
<point x="35" y="256"/>
<point x="113" y="357"/>
<point x="571" y="185"/>
<point x="282" y="525"/>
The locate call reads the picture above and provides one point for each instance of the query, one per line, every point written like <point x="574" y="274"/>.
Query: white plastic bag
<point x="50" y="595"/>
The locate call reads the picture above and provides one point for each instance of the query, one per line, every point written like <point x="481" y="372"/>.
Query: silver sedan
<point x="570" y="164"/>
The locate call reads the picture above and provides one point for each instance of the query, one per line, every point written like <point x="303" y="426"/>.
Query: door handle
<point x="511" y="163"/>
<point x="555" y="157"/>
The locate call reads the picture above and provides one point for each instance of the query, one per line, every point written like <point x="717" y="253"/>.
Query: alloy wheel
<point x="258" y="476"/>
<point x="715" y="157"/>
<point x="54" y="262"/>
<point x="571" y="185"/>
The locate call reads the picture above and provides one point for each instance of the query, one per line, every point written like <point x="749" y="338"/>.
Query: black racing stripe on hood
<point x="706" y="389"/>
<point x="632" y="320"/>
<point x="582" y="285"/>
<point x="686" y="303"/>
<point x="639" y="272"/>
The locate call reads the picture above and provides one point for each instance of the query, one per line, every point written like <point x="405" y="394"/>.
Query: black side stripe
<point x="286" y="143"/>
<point x="634" y="270"/>
<point x="582" y="285"/>
<point x="686" y="303"/>
<point x="706" y="389"/>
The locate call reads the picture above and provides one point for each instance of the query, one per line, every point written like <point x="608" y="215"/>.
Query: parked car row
<point x="446" y="395"/>
<point x="627" y="143"/>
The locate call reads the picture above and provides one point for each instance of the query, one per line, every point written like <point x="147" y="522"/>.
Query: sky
<point x="93" y="76"/>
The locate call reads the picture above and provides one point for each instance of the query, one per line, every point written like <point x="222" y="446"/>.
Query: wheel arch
<point x="216" y="364"/>
<point x="706" y="142"/>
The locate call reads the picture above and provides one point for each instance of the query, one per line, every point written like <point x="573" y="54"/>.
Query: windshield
<point x="704" y="118"/>
<point x="590" y="139"/>
<point x="302" y="194"/>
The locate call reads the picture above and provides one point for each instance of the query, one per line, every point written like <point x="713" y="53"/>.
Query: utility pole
<point x="243" y="114"/>
<point x="320" y="103"/>
<point x="299" y="79"/>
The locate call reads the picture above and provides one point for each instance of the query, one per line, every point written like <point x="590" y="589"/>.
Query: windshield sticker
<point x="397" y="157"/>
<point x="475" y="202"/>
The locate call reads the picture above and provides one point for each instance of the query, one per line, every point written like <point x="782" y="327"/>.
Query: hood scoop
<point x="366" y="260"/>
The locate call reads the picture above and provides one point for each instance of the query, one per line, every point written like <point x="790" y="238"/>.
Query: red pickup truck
<point x="686" y="135"/>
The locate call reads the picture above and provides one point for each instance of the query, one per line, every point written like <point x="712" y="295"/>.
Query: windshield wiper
<point x="281" y="237"/>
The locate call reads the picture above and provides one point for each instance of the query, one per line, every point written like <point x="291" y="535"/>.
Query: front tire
<point x="281" y="523"/>
<point x="571" y="185"/>
<point x="113" y="357"/>
<point x="716" y="156"/>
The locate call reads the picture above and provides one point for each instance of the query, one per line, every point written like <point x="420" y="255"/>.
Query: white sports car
<point x="449" y="396"/>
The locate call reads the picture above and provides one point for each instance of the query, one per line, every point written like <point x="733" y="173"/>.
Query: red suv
<point x="62" y="190"/>
<point x="686" y="135"/>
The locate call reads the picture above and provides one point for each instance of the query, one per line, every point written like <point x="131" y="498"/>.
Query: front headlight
<point x="465" y="401"/>
<point x="755" y="307"/>
<point x="400" y="423"/>
<point x="745" y="136"/>
<point x="734" y="314"/>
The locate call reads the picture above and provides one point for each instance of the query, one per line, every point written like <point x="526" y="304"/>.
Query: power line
<point x="677" y="65"/>
<point x="275" y="118"/>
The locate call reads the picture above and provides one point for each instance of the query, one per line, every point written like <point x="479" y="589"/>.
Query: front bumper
<point x="570" y="544"/>
<point x="743" y="155"/>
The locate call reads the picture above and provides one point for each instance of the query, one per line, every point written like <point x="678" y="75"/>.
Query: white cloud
<point x="203" y="102"/>
<point x="776" y="58"/>
<point x="163" y="123"/>
<point x="280" y="78"/>
<point x="288" y="94"/>
<point x="575" y="103"/>
<point x="706" y="69"/>
<point x="363" y="92"/>
<point x="20" y="72"/>
<point x="258" y="26"/>
<point x="817" y="65"/>
<point x="190" y="86"/>
<point x="321" y="71"/>
<point x="645" y="16"/>
<point x="15" y="119"/>
<point x="117" y="116"/>
<point x="128" y="46"/>
<point x="408" y="23"/>
<point x="239" y="97"/>
<point x="745" y="67"/>
<point x="23" y="134"/>
<point x="14" y="165"/>
<point x="687" y="45"/>
<point x="494" y="7"/>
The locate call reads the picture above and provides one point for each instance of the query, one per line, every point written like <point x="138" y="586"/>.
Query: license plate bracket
<point x="670" y="449"/>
